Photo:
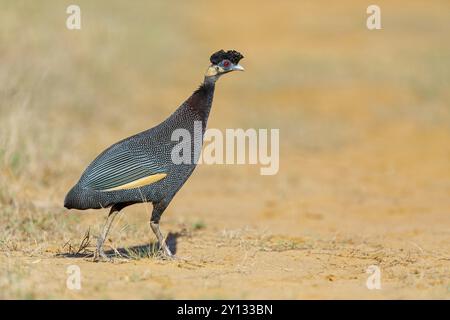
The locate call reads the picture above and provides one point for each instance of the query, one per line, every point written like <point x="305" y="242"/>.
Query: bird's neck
<point x="200" y="101"/>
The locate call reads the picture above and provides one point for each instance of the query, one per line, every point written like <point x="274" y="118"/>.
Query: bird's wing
<point x="121" y="169"/>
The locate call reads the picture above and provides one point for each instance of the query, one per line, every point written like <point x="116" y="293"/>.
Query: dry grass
<point x="363" y="118"/>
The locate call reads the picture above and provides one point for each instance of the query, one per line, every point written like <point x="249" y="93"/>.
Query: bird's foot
<point x="100" y="256"/>
<point x="166" y="253"/>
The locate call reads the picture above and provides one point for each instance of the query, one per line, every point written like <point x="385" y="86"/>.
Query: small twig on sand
<point x="85" y="242"/>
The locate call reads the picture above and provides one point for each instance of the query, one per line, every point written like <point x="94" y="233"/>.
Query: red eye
<point x="226" y="63"/>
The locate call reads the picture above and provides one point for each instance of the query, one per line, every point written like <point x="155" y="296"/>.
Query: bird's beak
<point x="238" y="67"/>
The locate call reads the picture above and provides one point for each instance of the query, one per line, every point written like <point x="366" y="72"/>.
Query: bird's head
<point x="224" y="62"/>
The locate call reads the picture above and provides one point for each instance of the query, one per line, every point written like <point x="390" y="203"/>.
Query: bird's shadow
<point x="135" y="252"/>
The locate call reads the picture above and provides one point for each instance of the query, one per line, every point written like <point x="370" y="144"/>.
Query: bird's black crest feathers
<point x="221" y="55"/>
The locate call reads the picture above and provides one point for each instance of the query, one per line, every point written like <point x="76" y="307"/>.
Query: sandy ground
<point x="312" y="237"/>
<point x="364" y="159"/>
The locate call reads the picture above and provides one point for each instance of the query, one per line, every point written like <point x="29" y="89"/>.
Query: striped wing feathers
<point x="121" y="170"/>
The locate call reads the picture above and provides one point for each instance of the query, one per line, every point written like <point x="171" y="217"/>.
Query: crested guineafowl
<point x="140" y="168"/>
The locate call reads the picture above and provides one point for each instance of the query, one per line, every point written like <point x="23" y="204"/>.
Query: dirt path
<point x="318" y="244"/>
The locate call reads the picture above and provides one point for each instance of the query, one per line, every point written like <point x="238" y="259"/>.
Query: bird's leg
<point x="161" y="239"/>
<point x="99" y="253"/>
<point x="154" y="224"/>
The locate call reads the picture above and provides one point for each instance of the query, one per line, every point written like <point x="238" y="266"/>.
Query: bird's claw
<point x="166" y="253"/>
<point x="100" y="256"/>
